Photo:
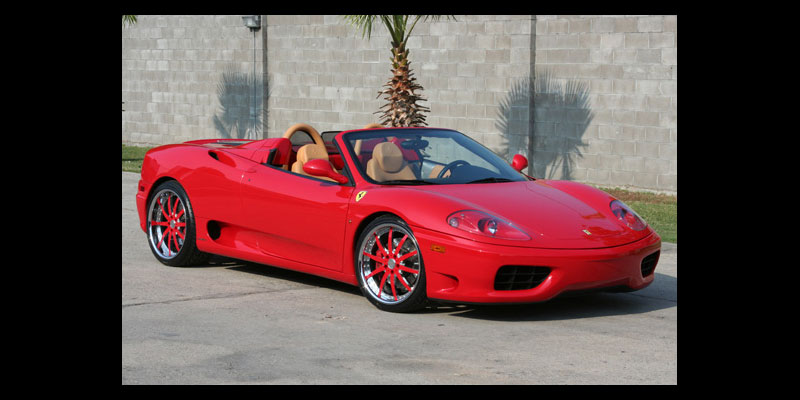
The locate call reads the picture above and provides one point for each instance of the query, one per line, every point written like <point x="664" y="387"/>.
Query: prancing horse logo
<point x="360" y="195"/>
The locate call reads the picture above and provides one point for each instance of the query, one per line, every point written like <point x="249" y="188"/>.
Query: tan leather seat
<point x="435" y="171"/>
<point x="307" y="153"/>
<point x="387" y="164"/>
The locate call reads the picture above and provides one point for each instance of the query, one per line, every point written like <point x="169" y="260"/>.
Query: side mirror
<point x="320" y="167"/>
<point x="519" y="162"/>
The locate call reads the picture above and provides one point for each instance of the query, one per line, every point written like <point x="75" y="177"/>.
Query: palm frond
<point x="128" y="20"/>
<point x="395" y="29"/>
<point x="362" y="22"/>
<point x="397" y="25"/>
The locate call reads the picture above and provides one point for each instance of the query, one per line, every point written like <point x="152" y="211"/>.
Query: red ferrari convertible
<point x="407" y="214"/>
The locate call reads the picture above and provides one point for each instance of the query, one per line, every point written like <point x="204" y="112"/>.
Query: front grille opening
<point x="649" y="264"/>
<point x="520" y="277"/>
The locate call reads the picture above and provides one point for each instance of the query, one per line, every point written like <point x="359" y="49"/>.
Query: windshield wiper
<point x="407" y="182"/>
<point x="491" y="179"/>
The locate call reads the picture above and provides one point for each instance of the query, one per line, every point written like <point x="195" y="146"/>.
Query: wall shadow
<point x="240" y="106"/>
<point x="551" y="132"/>
<point x="512" y="121"/>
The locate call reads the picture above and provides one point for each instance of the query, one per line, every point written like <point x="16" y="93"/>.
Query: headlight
<point x="627" y="215"/>
<point x="481" y="223"/>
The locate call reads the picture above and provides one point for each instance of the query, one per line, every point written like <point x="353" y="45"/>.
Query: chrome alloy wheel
<point x="389" y="263"/>
<point x="167" y="224"/>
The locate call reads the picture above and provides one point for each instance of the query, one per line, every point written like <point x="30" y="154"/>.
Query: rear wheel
<point x="389" y="266"/>
<point x="171" y="227"/>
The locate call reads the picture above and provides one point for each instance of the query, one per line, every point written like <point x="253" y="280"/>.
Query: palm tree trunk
<point x="401" y="109"/>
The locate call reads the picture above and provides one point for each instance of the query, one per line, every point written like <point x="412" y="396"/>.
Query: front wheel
<point x="389" y="266"/>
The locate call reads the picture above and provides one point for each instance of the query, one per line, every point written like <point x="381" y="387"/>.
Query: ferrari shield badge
<point x="360" y="195"/>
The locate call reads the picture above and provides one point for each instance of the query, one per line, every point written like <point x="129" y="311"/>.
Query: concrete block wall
<point x="607" y="100"/>
<point x="321" y="73"/>
<point x="190" y="77"/>
<point x="586" y="98"/>
<point x="325" y="74"/>
<point x="470" y="69"/>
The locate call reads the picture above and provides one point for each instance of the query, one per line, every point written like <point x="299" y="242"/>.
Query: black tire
<point x="391" y="278"/>
<point x="170" y="225"/>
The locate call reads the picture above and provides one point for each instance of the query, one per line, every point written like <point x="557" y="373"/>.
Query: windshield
<point x="426" y="156"/>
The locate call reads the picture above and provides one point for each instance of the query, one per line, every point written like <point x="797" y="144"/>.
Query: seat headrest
<point x="388" y="156"/>
<point x="311" y="152"/>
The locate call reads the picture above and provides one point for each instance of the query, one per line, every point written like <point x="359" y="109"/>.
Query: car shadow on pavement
<point x="280" y="273"/>
<point x="661" y="294"/>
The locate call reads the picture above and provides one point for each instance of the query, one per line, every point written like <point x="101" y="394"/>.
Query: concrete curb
<point x="669" y="247"/>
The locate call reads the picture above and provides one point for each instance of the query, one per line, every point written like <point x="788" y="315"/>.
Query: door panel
<point x="299" y="218"/>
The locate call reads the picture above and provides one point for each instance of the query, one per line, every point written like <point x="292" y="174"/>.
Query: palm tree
<point x="401" y="108"/>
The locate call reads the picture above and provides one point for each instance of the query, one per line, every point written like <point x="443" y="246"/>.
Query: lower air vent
<point x="214" y="230"/>
<point x="649" y="263"/>
<point x="519" y="277"/>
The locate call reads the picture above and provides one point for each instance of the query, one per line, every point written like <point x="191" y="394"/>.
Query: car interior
<point x="384" y="158"/>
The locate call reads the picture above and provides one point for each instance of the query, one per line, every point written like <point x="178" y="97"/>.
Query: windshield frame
<point x="491" y="158"/>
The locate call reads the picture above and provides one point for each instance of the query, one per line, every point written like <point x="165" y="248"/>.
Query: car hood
<point x="555" y="214"/>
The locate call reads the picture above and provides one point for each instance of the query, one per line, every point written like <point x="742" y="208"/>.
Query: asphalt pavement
<point x="234" y="322"/>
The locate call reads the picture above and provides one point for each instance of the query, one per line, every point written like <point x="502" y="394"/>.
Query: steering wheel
<point x="448" y="167"/>
<point x="315" y="136"/>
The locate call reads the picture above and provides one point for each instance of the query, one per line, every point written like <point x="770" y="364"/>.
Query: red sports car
<point x="407" y="214"/>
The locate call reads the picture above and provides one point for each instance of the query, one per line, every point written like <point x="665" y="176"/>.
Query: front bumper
<point x="462" y="270"/>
